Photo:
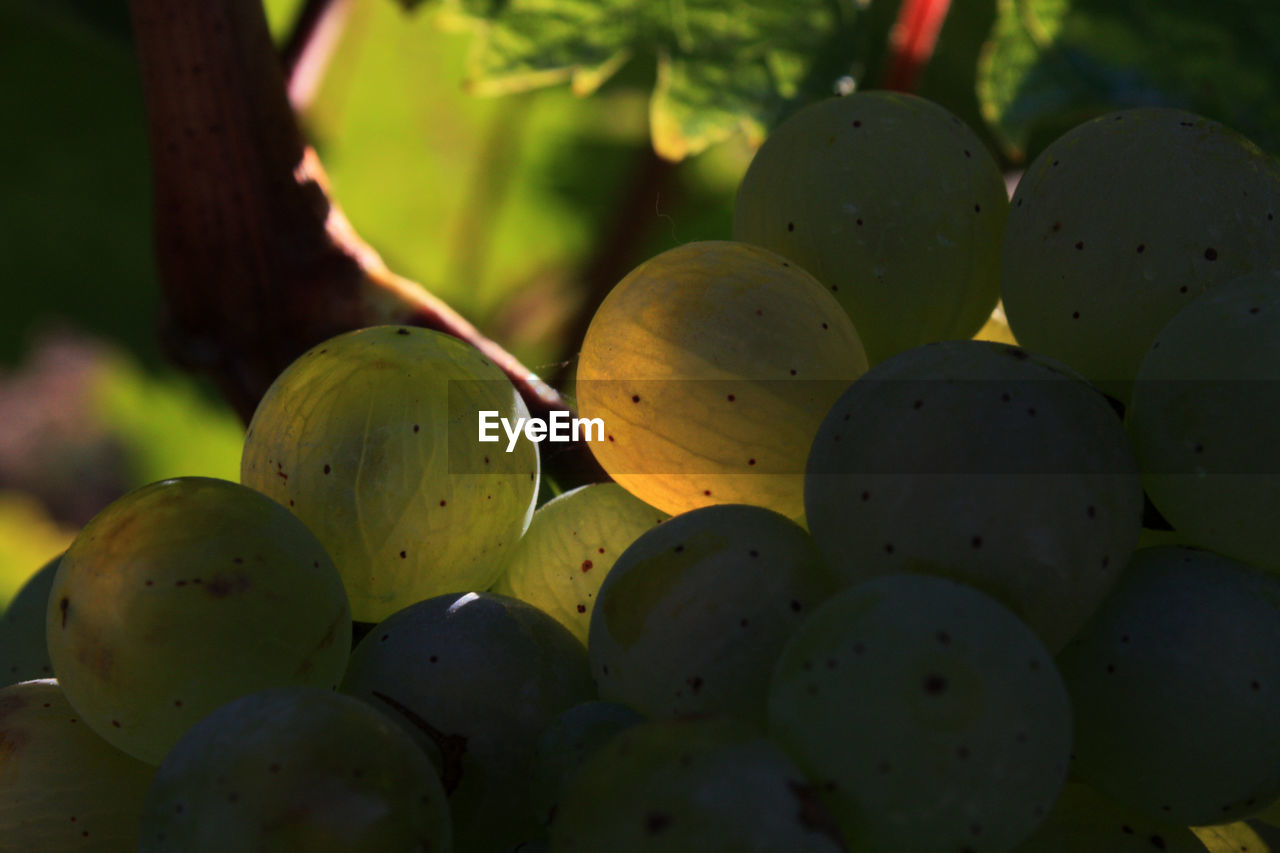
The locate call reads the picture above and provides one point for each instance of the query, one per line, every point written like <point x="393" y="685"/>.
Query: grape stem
<point x="452" y="747"/>
<point x="257" y="262"/>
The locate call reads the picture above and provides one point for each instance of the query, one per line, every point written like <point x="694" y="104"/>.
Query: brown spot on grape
<point x="115" y="723"/>
<point x="64" y="606"/>
<point x="327" y="469"/>
<point x="976" y="542"/>
<point x="635" y="398"/>
<point x="695" y="683"/>
<point x="416" y="427"/>
<point x="1182" y="289"/>
<point x="935" y="685"/>
<point x="888" y="547"/>
<point x="731" y="398"/>
<point x="751" y="461"/>
<point x="1075" y="315"/>
<point x="221" y="586"/>
<point x="444" y="503"/>
<point x="582" y="608"/>
<point x="587" y="565"/>
<point x="977" y="208"/>
<point x="943" y="637"/>
<point x="1079" y="245"/>
<point x="656" y="822"/>
<point x="404" y="554"/>
<point x="402" y="331"/>
<point x="1158" y="843"/>
<point x="857" y="122"/>
<point x="796" y="606"/>
<point x="1142" y="247"/>
<point x="754" y="553"/>
<point x="706" y="492"/>
<point x="1210" y="254"/>
<point x="791" y="226"/>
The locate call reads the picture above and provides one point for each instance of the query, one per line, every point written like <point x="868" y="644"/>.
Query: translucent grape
<point x="693" y="615"/>
<point x="984" y="463"/>
<point x="572" y="542"/>
<point x="928" y="716"/>
<point x="371" y="438"/>
<point x="1084" y="821"/>
<point x="476" y="679"/>
<point x="711" y="366"/>
<point x="61" y="786"/>
<point x="1124" y="220"/>
<point x="1203" y="420"/>
<point x="183" y="595"/>
<point x="1176" y="685"/>
<point x="24" y="652"/>
<point x="568" y="742"/>
<point x="694" y="785"/>
<point x="295" y="769"/>
<point x="892" y="203"/>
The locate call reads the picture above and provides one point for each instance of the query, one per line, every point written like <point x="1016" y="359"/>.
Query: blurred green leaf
<point x="722" y="68"/>
<point x="163" y="425"/>
<point x="1052" y="64"/>
<point x="29" y="538"/>
<point x="75" y="213"/>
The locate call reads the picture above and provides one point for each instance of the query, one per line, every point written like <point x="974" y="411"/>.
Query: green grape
<point x="691" y="786"/>
<point x="695" y="612"/>
<point x="892" y="203"/>
<point x="983" y="463"/>
<point x="929" y="717"/>
<point x="1084" y="821"/>
<point x="572" y="542"/>
<point x="476" y="679"/>
<point x="568" y="742"/>
<point x="24" y="652"/>
<point x="1176" y="685"/>
<point x="183" y="595"/>
<point x="1124" y="220"/>
<point x="61" y="786"/>
<point x="1237" y="837"/>
<point x="711" y="366"/>
<point x="1203" y="420"/>
<point x="295" y="769"/>
<point x="371" y="438"/>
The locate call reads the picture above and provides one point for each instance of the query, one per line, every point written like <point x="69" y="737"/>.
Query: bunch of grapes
<point x="861" y="581"/>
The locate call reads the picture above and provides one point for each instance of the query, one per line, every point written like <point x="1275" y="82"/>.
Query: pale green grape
<point x="892" y="203"/>
<point x="1203" y="420"/>
<point x="183" y="595"/>
<point x="1084" y="821"/>
<point x="476" y="678"/>
<point x="1176" y="685"/>
<point x="24" y="652"/>
<point x="983" y="463"/>
<point x="693" y="615"/>
<point x="295" y="769"/>
<point x="711" y="366"/>
<point x="1238" y="837"/>
<point x="1124" y="220"/>
<point x="928" y="716"/>
<point x="691" y="786"/>
<point x="568" y="742"/>
<point x="61" y="786"/>
<point x="371" y="438"/>
<point x="572" y="542"/>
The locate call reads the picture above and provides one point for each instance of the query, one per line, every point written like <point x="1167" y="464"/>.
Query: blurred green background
<point x="515" y="210"/>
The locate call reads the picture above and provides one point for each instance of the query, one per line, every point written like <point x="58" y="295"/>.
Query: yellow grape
<point x="711" y="367"/>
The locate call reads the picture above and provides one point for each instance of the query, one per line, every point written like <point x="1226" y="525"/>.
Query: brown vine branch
<point x="256" y="261"/>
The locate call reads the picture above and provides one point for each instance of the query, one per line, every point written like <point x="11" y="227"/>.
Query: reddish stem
<point x="912" y="40"/>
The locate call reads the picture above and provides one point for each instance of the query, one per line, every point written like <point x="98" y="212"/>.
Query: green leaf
<point x="1052" y="64"/>
<point x="722" y="68"/>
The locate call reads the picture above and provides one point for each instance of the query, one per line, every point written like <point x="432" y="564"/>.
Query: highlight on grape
<point x="860" y="582"/>
<point x="559" y="426"/>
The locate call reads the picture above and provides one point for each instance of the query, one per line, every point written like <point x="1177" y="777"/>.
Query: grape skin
<point x="893" y="204"/>
<point x="370" y="438"/>
<point x="569" y="548"/>
<point x="1121" y="222"/>
<point x="711" y="366"/>
<point x="927" y="715"/>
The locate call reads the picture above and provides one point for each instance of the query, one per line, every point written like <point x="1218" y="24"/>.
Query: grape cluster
<point x="862" y="582"/>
